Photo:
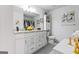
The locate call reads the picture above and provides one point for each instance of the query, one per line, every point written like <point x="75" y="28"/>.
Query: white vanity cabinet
<point x="20" y="46"/>
<point x="30" y="42"/>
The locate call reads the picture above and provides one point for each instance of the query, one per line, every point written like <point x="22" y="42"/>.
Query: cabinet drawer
<point x="28" y="35"/>
<point x="19" y="36"/>
<point x="30" y="49"/>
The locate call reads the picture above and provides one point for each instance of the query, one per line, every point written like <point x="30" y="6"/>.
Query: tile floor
<point x="48" y="49"/>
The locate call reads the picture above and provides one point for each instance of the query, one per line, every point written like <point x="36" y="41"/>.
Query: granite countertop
<point x="15" y="32"/>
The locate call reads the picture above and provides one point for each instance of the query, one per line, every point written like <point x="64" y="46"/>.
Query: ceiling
<point x="48" y="7"/>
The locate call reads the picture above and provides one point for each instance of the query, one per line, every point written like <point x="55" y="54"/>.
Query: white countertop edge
<point x="17" y="32"/>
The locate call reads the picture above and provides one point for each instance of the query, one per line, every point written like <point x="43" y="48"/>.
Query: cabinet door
<point x="41" y="39"/>
<point x="29" y="45"/>
<point x="20" y="46"/>
<point x="26" y="46"/>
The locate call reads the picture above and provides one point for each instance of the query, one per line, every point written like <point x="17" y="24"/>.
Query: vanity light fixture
<point x="28" y="8"/>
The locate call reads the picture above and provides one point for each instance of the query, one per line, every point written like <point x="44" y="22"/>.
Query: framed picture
<point x="68" y="18"/>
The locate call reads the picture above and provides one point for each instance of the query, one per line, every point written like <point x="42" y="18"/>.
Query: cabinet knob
<point x="39" y="45"/>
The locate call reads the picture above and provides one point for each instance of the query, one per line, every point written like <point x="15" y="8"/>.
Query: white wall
<point x="40" y="12"/>
<point x="18" y="15"/>
<point x="58" y="29"/>
<point x="6" y="36"/>
<point x="7" y="39"/>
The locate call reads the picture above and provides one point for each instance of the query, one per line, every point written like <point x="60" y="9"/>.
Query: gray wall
<point x="64" y="31"/>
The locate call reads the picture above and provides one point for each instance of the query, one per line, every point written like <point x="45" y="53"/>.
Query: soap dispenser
<point x="17" y="25"/>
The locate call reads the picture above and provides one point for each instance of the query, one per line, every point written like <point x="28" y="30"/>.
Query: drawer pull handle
<point x="32" y="48"/>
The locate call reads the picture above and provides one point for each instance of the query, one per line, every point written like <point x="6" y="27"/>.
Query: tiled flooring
<point x="48" y="49"/>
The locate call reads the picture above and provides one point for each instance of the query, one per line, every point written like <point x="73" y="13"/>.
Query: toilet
<point x="51" y="39"/>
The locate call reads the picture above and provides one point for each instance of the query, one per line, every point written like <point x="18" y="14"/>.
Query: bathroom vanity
<point x="30" y="41"/>
<point x="22" y="41"/>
